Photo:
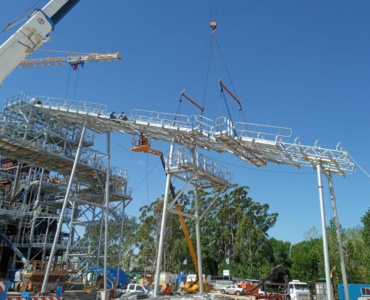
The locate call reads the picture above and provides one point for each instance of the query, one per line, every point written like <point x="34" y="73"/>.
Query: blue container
<point x="355" y="291"/>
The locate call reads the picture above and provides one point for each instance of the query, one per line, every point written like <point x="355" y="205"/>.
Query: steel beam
<point x="65" y="202"/>
<point x="339" y="238"/>
<point x="163" y="227"/>
<point x="199" y="246"/>
<point x="106" y="214"/>
<point x="213" y="202"/>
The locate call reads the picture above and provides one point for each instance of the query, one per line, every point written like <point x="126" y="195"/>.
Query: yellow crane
<point x="73" y="60"/>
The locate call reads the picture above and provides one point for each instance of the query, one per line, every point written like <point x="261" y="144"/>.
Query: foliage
<point x="236" y="228"/>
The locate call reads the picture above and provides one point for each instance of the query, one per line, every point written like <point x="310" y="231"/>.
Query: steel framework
<point x="253" y="143"/>
<point x="60" y="182"/>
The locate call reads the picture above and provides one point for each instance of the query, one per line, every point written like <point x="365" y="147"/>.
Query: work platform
<point x="253" y="143"/>
<point x="204" y="172"/>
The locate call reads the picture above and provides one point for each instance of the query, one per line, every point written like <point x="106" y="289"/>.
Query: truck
<point x="297" y="290"/>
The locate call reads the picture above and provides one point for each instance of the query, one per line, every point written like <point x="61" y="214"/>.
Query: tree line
<point x="236" y="228"/>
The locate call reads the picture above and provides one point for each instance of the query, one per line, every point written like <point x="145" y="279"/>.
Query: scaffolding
<point x="57" y="194"/>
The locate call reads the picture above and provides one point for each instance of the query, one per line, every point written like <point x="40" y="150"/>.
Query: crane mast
<point x="32" y="35"/>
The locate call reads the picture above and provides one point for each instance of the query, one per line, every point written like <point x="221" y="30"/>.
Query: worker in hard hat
<point x="112" y="115"/>
<point x="123" y="116"/>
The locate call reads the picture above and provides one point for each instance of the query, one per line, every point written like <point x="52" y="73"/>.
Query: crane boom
<point x="31" y="35"/>
<point x="54" y="61"/>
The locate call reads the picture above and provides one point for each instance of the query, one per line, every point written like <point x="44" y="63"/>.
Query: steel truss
<point x="253" y="143"/>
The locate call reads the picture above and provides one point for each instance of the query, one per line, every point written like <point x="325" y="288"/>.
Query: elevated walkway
<point x="253" y="143"/>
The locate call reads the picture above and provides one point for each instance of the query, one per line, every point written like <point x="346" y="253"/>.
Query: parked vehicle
<point x="234" y="289"/>
<point x="297" y="290"/>
<point x="261" y="291"/>
<point x="141" y="288"/>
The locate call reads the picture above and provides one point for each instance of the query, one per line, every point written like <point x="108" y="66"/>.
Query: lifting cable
<point x="74" y="93"/>
<point x="209" y="63"/>
<point x="12" y="23"/>
<point x="69" y="75"/>
<point x="191" y="75"/>
<point x="241" y="113"/>
<point x="223" y="87"/>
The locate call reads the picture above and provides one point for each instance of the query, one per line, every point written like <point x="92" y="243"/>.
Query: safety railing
<point x="53" y="197"/>
<point x="89" y="157"/>
<point x="130" y="220"/>
<point x="56" y="266"/>
<point x="5" y="193"/>
<point x="172" y="120"/>
<point x="56" y="103"/>
<point x="184" y="157"/>
<point x="201" y="123"/>
<point x="55" y="180"/>
<point x="13" y="207"/>
<point x="253" y="131"/>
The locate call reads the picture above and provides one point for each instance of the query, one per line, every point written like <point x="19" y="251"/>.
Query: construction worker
<point x="112" y="115"/>
<point x="167" y="291"/>
<point x="123" y="116"/>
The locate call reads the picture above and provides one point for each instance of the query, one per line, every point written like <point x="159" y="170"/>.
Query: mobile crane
<point x="32" y="34"/>
<point x="142" y="144"/>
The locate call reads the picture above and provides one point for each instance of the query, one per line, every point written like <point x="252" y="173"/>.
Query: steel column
<point x="65" y="203"/>
<point x="71" y="236"/>
<point x="120" y="242"/>
<point x="324" y="235"/>
<point x="197" y="230"/>
<point x="99" y="249"/>
<point x="339" y="238"/>
<point x="35" y="214"/>
<point x="106" y="214"/>
<point x="163" y="225"/>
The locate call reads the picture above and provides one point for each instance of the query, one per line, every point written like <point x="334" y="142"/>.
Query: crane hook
<point x="213" y="26"/>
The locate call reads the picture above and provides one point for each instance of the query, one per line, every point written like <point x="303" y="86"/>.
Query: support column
<point x="324" y="236"/>
<point x="106" y="216"/>
<point x="15" y="183"/>
<point x="197" y="230"/>
<point x="339" y="238"/>
<point x="163" y="227"/>
<point x="65" y="203"/>
<point x="98" y="252"/>
<point x="71" y="235"/>
<point x="35" y="214"/>
<point x="46" y="239"/>
<point x="120" y="243"/>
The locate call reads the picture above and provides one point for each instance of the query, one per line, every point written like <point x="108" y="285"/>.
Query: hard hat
<point x="113" y="112"/>
<point x="122" y="112"/>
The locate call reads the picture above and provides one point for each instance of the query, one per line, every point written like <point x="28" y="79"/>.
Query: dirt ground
<point x="218" y="293"/>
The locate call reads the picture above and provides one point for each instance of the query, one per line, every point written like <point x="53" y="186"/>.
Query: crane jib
<point x="59" y="15"/>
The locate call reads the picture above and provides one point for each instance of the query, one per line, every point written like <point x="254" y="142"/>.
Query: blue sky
<point x="298" y="64"/>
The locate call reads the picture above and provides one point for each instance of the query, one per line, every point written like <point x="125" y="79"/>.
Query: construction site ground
<point x="218" y="293"/>
<point x="77" y="295"/>
<point x="67" y="295"/>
